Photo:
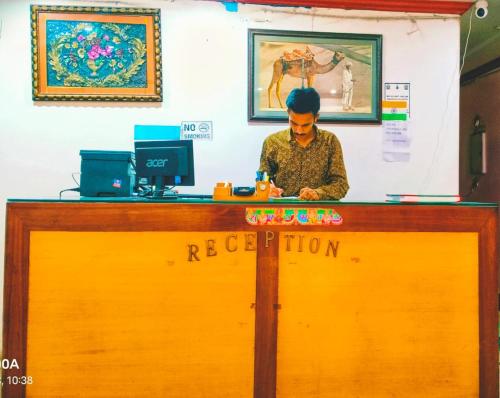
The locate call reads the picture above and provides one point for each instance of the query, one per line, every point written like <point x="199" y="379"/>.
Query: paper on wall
<point x="396" y="137"/>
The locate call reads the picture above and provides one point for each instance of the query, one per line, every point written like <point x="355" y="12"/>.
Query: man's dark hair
<point x="303" y="100"/>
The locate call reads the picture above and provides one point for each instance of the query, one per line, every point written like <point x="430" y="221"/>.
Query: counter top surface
<point x="192" y="199"/>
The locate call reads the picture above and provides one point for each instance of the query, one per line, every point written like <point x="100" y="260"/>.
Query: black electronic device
<point x="107" y="173"/>
<point x="243" y="191"/>
<point x="477" y="148"/>
<point x="161" y="165"/>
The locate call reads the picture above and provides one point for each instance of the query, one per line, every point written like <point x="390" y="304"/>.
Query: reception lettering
<point x="234" y="243"/>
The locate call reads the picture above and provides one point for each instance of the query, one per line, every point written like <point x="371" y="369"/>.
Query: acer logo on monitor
<point x="156" y="162"/>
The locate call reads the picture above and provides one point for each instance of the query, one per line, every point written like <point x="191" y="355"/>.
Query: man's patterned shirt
<point x="319" y="165"/>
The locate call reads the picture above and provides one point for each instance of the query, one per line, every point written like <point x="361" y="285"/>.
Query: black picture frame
<point x="280" y="60"/>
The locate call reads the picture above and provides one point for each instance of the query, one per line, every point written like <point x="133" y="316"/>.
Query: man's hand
<point x="274" y="191"/>
<point x="308" y="194"/>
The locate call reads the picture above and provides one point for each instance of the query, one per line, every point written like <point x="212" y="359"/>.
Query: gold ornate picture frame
<point x="96" y="54"/>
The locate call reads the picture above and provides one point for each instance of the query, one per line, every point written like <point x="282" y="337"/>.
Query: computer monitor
<point x="163" y="164"/>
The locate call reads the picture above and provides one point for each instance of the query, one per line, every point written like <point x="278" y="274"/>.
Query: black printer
<point x="107" y="173"/>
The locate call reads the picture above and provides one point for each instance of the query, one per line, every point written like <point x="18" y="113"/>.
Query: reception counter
<point x="196" y="298"/>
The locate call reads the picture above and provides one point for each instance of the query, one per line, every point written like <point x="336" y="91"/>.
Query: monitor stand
<point x="169" y="194"/>
<point x="161" y="191"/>
<point x="160" y="194"/>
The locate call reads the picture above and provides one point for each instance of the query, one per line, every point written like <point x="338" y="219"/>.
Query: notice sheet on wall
<point x="396" y="137"/>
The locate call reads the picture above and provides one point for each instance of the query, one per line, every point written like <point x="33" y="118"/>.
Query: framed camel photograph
<point x="95" y="53"/>
<point x="345" y="69"/>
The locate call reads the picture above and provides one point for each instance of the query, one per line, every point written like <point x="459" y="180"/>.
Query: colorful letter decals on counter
<point x="291" y="216"/>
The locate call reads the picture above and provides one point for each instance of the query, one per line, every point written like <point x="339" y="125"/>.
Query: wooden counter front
<point x="190" y="299"/>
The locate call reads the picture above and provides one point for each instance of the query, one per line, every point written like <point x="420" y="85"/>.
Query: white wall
<point x="205" y="78"/>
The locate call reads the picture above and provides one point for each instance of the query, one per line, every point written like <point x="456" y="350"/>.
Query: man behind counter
<point x="304" y="160"/>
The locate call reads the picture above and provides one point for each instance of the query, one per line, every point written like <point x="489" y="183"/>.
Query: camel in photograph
<point x="299" y="64"/>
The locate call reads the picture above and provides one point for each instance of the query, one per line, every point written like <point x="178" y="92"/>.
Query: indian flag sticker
<point x="394" y="110"/>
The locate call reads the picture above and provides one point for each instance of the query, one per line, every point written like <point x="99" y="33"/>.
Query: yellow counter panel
<point x="393" y="314"/>
<point x="125" y="314"/>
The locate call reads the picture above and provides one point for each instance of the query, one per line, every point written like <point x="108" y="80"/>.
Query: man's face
<point x="302" y="125"/>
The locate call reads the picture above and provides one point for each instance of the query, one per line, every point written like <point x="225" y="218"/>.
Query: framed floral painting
<point x="96" y="54"/>
<point x="345" y="69"/>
